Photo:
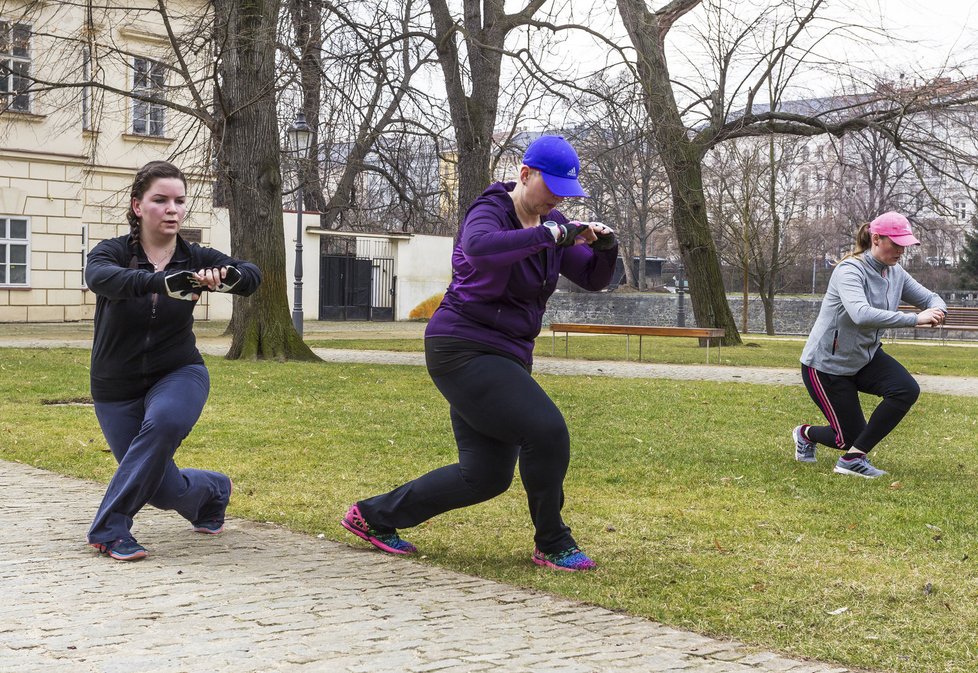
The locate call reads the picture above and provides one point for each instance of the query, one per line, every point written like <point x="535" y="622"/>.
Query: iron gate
<point x="356" y="288"/>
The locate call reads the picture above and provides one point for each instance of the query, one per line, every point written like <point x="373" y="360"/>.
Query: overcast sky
<point x="913" y="37"/>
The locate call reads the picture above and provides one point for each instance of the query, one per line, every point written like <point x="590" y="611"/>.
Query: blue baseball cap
<point x="558" y="165"/>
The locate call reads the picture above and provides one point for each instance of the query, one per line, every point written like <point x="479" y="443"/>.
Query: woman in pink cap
<point x="844" y="356"/>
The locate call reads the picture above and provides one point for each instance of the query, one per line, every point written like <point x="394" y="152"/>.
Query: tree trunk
<point x="473" y="163"/>
<point x="767" y="300"/>
<point x="706" y="293"/>
<point x="483" y="29"/>
<point x="249" y="159"/>
<point x="307" y="22"/>
<point x="683" y="161"/>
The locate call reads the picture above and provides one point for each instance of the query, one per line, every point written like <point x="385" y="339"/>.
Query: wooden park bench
<point x="958" y="318"/>
<point x="708" y="333"/>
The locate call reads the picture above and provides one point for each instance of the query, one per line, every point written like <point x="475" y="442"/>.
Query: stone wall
<point x="792" y="315"/>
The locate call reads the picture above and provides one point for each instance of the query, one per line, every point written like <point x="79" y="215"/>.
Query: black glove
<point x="231" y="279"/>
<point x="606" y="237"/>
<point x="182" y="285"/>
<point x="564" y="234"/>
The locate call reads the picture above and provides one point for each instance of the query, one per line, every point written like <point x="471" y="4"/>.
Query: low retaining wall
<point x="791" y="315"/>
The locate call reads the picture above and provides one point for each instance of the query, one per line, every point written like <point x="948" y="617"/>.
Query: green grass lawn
<point x="686" y="493"/>
<point x="924" y="358"/>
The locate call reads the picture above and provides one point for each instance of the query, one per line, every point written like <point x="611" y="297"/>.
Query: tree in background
<point x="968" y="263"/>
<point x="756" y="49"/>
<point x="213" y="69"/>
<point x="471" y="48"/>
<point x="246" y="138"/>
<point x="755" y="202"/>
<point x="357" y="65"/>
<point x="623" y="174"/>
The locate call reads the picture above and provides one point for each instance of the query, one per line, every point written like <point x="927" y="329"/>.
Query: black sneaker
<point x="123" y="549"/>
<point x="214" y="526"/>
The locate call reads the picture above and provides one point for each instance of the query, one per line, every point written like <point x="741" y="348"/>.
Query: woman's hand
<point x="604" y="236"/>
<point x="930" y="317"/>
<point x="211" y="278"/>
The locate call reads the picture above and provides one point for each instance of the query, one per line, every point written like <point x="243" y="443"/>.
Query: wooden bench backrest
<point x="641" y="330"/>
<point x="956" y="315"/>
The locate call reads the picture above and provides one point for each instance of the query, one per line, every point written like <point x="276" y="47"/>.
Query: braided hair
<point x="145" y="177"/>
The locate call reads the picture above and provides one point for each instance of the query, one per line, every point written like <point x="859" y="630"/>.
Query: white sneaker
<point x="804" y="447"/>
<point x="859" y="467"/>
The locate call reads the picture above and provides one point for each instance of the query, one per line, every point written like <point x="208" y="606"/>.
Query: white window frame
<point x="15" y="68"/>
<point x="960" y="209"/>
<point x="148" y="79"/>
<point x="7" y="243"/>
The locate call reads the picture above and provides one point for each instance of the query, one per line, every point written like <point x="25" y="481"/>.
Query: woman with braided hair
<point x="148" y="380"/>
<point x="512" y="246"/>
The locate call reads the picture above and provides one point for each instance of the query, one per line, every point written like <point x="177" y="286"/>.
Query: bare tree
<point x="470" y="50"/>
<point x="215" y="73"/>
<point x="756" y="200"/>
<point x="756" y="49"/>
<point x="624" y="176"/>
<point x="354" y="75"/>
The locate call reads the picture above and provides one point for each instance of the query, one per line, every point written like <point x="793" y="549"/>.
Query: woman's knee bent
<point x="487" y="484"/>
<point x="904" y="395"/>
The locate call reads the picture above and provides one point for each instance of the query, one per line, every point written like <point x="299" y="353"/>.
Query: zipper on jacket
<point x="835" y="341"/>
<point x="544" y="259"/>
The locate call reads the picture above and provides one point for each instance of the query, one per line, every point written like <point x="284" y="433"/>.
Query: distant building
<point x="68" y="156"/>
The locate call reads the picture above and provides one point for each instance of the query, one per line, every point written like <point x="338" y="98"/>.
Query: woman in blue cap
<point x="844" y="355"/>
<point x="512" y="246"/>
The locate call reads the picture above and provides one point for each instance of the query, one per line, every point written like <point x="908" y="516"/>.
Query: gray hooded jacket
<point x="860" y="302"/>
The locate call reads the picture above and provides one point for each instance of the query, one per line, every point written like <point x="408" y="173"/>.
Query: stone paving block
<point x="233" y="604"/>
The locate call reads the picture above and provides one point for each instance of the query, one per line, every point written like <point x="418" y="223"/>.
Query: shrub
<point x="425" y="309"/>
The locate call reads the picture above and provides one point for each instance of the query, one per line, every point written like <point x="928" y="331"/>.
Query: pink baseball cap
<point x="895" y="227"/>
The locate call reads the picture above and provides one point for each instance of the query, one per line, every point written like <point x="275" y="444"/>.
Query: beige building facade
<point x="68" y="152"/>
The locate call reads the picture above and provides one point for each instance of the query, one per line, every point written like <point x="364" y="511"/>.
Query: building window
<point x="149" y="80"/>
<point x="960" y="209"/>
<point x="15" y="250"/>
<point x="15" y="66"/>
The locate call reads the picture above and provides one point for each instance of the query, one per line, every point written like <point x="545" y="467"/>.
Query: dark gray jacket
<point x="860" y="302"/>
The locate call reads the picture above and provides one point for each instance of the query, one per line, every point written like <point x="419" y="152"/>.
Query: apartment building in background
<point x="68" y="153"/>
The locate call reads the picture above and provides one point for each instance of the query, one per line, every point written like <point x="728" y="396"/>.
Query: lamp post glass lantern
<point x="300" y="135"/>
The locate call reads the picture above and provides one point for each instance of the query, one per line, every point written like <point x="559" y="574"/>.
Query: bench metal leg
<point x="639" y="347"/>
<point x="628" y="343"/>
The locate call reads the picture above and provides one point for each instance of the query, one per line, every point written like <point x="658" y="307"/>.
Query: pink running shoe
<point x="571" y="560"/>
<point x="391" y="542"/>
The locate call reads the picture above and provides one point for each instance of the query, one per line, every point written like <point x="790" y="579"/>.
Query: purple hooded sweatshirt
<point x="503" y="274"/>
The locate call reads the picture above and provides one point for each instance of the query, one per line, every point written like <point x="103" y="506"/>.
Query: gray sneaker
<point x="804" y="447"/>
<point x="859" y="467"/>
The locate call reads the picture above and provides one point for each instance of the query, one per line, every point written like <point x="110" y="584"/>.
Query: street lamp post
<point x="680" y="291"/>
<point x="300" y="135"/>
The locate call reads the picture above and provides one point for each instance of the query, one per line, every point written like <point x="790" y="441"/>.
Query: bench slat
<point x="958" y="318"/>
<point x="708" y="333"/>
<point x="640" y="330"/>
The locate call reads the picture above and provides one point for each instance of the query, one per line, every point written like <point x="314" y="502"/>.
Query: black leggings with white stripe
<point x="838" y="399"/>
